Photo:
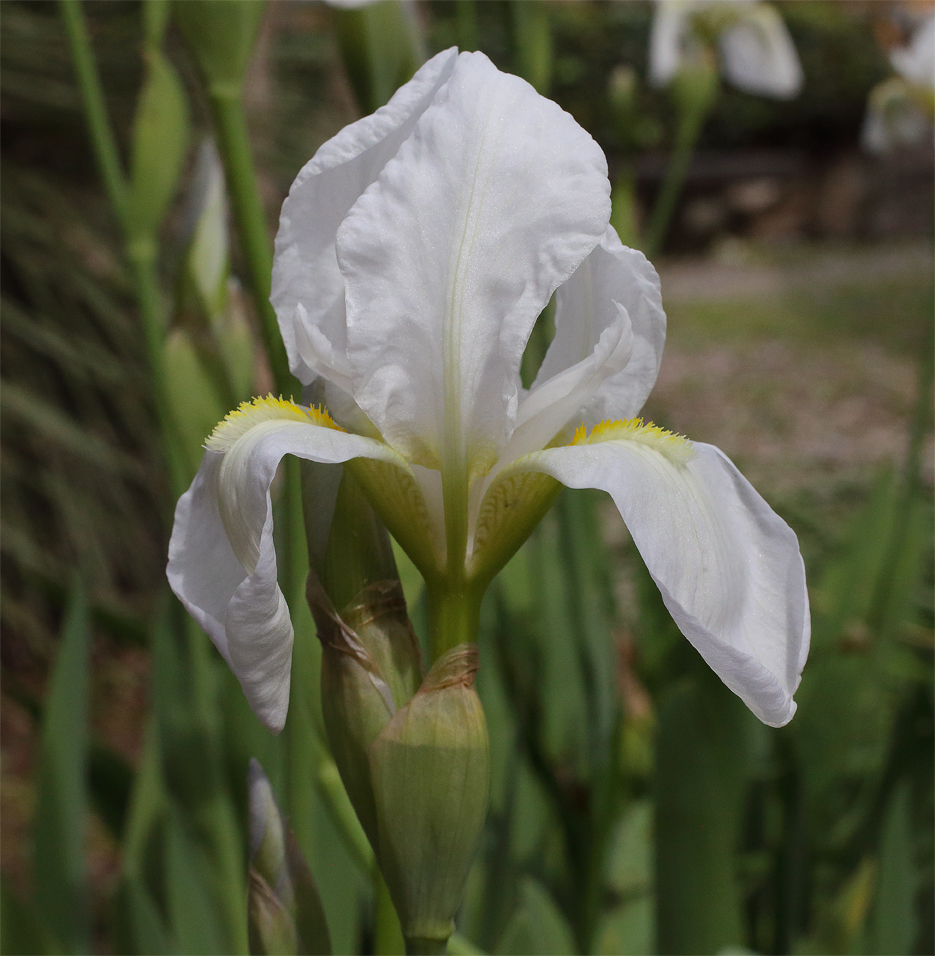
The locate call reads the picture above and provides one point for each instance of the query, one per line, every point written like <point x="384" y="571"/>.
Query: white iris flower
<point x="756" y="53"/>
<point x="414" y="254"/>
<point x="901" y="109"/>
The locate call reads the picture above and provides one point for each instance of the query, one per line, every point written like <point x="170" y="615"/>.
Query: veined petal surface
<point x="727" y="565"/>
<point x="448" y="258"/>
<point x="586" y="305"/>
<point x="222" y="562"/>
<point x="305" y="270"/>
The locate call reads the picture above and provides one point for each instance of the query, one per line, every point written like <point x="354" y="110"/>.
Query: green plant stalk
<point x="140" y="251"/>
<point x="691" y="122"/>
<point x="141" y="254"/>
<point x="234" y="145"/>
<point x="911" y="480"/>
<point x="102" y="137"/>
<point x="454" y="615"/>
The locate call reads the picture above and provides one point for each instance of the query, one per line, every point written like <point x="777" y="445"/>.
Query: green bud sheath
<point x="370" y="656"/>
<point x="269" y="925"/>
<point x="370" y="663"/>
<point x="430" y="772"/>
<point x="695" y="87"/>
<point x="284" y="911"/>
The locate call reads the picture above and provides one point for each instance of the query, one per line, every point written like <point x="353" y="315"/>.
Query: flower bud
<point x="221" y="35"/>
<point x="370" y="656"/>
<point x="284" y="911"/>
<point x="270" y="927"/>
<point x="370" y="664"/>
<point x="430" y="772"/>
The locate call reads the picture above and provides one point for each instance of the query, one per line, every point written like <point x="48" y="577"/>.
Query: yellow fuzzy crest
<point x="248" y="415"/>
<point x="676" y="448"/>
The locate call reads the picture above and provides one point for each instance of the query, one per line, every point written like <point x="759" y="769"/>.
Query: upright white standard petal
<point x="222" y="562"/>
<point x="585" y="307"/>
<point x="305" y="271"/>
<point x="759" y="55"/>
<point x="493" y="202"/>
<point x="728" y="567"/>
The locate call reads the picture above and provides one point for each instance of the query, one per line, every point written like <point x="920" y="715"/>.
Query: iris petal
<point x="727" y="565"/>
<point x="305" y="269"/>
<point x="493" y="202"/>
<point x="222" y="561"/>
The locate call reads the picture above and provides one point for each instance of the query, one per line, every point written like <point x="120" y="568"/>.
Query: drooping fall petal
<point x="222" y="561"/>
<point x="727" y="565"/>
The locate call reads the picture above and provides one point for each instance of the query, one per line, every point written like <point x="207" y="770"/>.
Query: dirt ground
<point x="797" y="407"/>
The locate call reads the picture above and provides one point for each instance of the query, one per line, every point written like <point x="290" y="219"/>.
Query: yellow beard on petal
<point x="676" y="448"/>
<point x="249" y="414"/>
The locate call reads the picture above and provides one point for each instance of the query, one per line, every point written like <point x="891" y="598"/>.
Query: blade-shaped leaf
<point x="62" y="797"/>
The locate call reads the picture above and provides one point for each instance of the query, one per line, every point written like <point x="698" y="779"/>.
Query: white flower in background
<point x="753" y="46"/>
<point x="900" y="110"/>
<point x="414" y="254"/>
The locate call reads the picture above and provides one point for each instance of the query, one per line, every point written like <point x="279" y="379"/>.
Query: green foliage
<point x="537" y="926"/>
<point x="62" y="796"/>
<point x="381" y="47"/>
<point x="702" y="758"/>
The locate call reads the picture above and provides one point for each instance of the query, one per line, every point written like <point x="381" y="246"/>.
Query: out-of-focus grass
<point x="812" y="296"/>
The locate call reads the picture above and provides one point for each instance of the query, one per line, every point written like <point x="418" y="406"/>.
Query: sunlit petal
<point x="586" y="305"/>
<point x="915" y="63"/>
<point x="222" y="562"/>
<point x="549" y="405"/>
<point x="305" y="269"/>
<point x="491" y="204"/>
<point x="727" y="566"/>
<point x="667" y="39"/>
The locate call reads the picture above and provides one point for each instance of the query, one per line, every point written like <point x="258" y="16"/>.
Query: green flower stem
<point x="454" y="615"/>
<point x="141" y="251"/>
<point x="234" y="144"/>
<point x="217" y="817"/>
<point x="105" y="146"/>
<point x="911" y="482"/>
<point x="340" y="809"/>
<point x="692" y="118"/>
<point x="623" y="216"/>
